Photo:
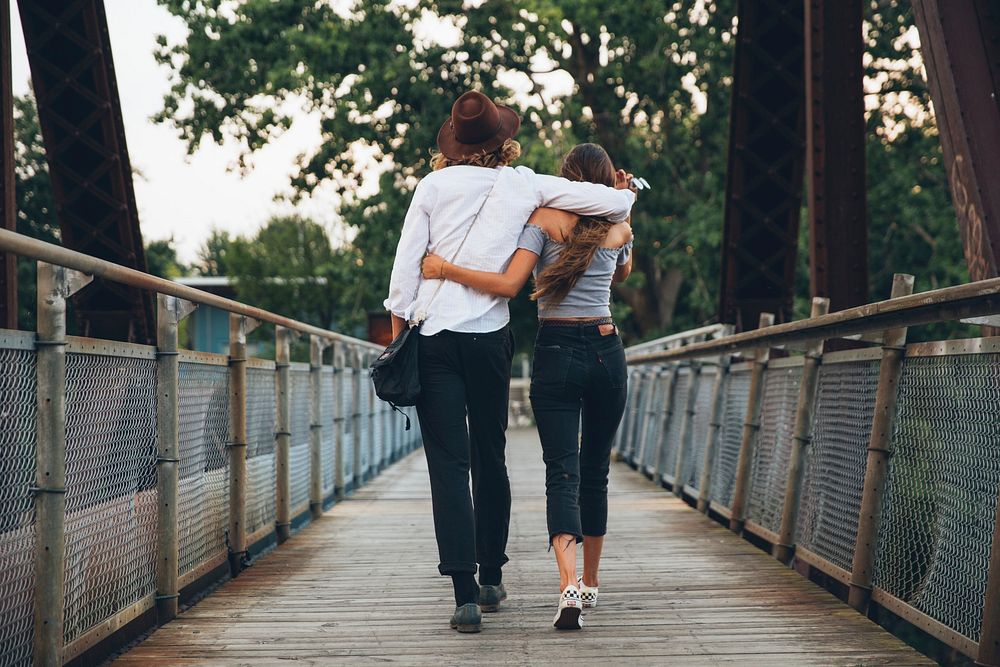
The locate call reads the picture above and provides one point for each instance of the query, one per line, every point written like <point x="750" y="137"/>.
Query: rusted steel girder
<point x="73" y="74"/>
<point x="835" y="152"/>
<point x="764" y="174"/>
<point x="8" y="262"/>
<point x="960" y="44"/>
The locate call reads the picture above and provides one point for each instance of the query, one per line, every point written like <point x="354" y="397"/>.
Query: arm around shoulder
<point x="584" y="198"/>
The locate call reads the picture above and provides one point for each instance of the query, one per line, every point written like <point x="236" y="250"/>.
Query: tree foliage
<point x="162" y="261"/>
<point x="36" y="215"/>
<point x="649" y="80"/>
<point x="649" y="84"/>
<point x="35" y="204"/>
<point x="213" y="255"/>
<point x="290" y="267"/>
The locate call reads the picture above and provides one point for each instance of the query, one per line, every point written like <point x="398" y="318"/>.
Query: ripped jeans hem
<point x="553" y="534"/>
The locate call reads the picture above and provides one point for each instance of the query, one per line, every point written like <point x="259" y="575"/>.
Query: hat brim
<point x="453" y="149"/>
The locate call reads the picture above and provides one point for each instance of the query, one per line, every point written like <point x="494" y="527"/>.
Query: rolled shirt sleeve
<point x="584" y="198"/>
<point x="413" y="241"/>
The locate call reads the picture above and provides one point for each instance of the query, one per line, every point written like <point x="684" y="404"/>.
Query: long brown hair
<point x="586" y="162"/>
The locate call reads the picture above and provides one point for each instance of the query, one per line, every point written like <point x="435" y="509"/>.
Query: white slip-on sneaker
<point x="569" y="615"/>
<point x="588" y="595"/>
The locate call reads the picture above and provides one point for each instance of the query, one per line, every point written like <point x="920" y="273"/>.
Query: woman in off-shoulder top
<point x="578" y="374"/>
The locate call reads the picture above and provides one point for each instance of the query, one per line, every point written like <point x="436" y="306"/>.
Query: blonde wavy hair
<point x="501" y="157"/>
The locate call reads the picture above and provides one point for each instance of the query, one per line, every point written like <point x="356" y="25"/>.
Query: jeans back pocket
<point x="613" y="360"/>
<point x="550" y="367"/>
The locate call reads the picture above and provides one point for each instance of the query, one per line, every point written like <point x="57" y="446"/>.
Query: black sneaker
<point x="467" y="618"/>
<point x="490" y="597"/>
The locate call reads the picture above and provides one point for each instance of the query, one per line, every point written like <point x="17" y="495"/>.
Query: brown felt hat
<point x="477" y="125"/>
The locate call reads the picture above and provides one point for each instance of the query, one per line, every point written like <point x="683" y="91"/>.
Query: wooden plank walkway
<point x="360" y="586"/>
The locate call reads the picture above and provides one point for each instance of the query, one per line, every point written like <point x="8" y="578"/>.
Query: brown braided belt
<point x="597" y="321"/>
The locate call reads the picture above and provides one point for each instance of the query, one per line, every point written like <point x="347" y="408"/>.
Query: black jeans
<point x="577" y="373"/>
<point x="467" y="374"/>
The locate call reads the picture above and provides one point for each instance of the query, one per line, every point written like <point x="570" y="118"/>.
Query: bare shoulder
<point x="618" y="235"/>
<point x="553" y="220"/>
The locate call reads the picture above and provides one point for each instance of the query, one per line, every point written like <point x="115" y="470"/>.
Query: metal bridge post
<point x="169" y="312"/>
<point x="356" y="364"/>
<point x="801" y="438"/>
<point x="338" y="420"/>
<point x="55" y="285"/>
<point x="879" y="450"/>
<point x="316" y="346"/>
<point x="687" y="420"/>
<point x="238" y="329"/>
<point x="989" y="635"/>
<point x="283" y="434"/>
<point x="714" y="428"/>
<point x="751" y="428"/>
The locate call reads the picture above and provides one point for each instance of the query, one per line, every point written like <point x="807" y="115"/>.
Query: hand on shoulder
<point x="620" y="234"/>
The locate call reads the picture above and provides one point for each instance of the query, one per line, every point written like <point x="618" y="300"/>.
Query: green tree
<point x="654" y="92"/>
<point x="290" y="267"/>
<point x="213" y="256"/>
<point x="912" y="224"/>
<point x="35" y="204"/>
<point x="162" y="261"/>
<point x="650" y="81"/>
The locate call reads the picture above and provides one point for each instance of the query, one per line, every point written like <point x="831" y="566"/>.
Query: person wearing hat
<point x="471" y="210"/>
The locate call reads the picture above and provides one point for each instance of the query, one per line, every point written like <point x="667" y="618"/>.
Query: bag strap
<point x="423" y="315"/>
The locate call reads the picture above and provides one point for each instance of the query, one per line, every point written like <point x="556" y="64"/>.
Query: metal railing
<point x="877" y="466"/>
<point x="131" y="475"/>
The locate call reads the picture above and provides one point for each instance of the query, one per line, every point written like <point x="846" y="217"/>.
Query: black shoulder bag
<point x="395" y="372"/>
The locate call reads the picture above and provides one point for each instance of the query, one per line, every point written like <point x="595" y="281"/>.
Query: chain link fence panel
<point x="694" y="457"/>
<point x="328" y="446"/>
<point x="835" y="460"/>
<point x="769" y="471"/>
<point x="17" y="506"/>
<point x="378" y="433"/>
<point x="364" y="426"/>
<point x="348" y="423"/>
<point x="733" y="413"/>
<point x="651" y="416"/>
<point x="941" y="491"/>
<point x="110" y="486"/>
<point x="621" y="436"/>
<point x="298" y="453"/>
<point x="203" y="474"/>
<point x="261" y="414"/>
<point x="671" y="437"/>
<point x="625" y="429"/>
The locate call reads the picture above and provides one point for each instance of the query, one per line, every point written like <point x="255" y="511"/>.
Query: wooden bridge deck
<point x="360" y="586"/>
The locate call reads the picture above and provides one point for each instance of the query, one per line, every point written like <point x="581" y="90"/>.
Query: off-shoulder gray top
<point x="591" y="296"/>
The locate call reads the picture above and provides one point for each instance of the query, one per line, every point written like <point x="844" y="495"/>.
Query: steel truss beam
<point x="764" y="175"/>
<point x="80" y="114"/>
<point x="960" y="44"/>
<point x="835" y="152"/>
<point x="8" y="262"/>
